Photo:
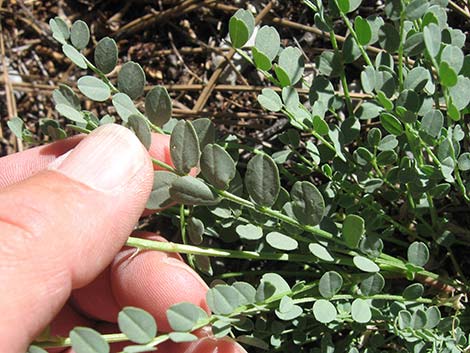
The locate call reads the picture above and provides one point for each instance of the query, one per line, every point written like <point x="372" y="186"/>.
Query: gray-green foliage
<point x="349" y="224"/>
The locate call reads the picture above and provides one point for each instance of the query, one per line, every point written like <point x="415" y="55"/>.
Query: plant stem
<point x="344" y="82"/>
<point x="356" y="39"/>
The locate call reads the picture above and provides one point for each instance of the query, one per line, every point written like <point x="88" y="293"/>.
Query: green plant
<point x="357" y="199"/>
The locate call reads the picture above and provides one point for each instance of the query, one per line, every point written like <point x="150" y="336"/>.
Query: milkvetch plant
<point x="348" y="218"/>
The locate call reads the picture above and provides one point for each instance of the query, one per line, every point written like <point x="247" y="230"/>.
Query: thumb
<point x="60" y="228"/>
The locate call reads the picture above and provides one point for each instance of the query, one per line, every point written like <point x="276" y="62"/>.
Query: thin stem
<point x="344" y="82"/>
<point x="164" y="165"/>
<point x="205" y="251"/>
<point x="354" y="34"/>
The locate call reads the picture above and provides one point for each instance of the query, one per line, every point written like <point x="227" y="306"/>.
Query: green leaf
<point x="389" y="38"/>
<point x="413" y="291"/>
<point x="330" y="284"/>
<point x="158" y="106"/>
<point x="160" y="195"/>
<point x="184" y="147"/>
<point x="141" y="129"/>
<point x="184" y="316"/>
<point x="324" y="311"/>
<point x="205" y="131"/>
<point x="179" y="337"/>
<point x="391" y="124"/>
<point x="192" y="191"/>
<point x="343" y="5"/>
<point x="418" y="319"/>
<point x="246" y="292"/>
<point x="253" y="341"/>
<point x="79" y="34"/>
<point x="291" y="61"/>
<point x="74" y="55"/>
<point x="447" y="75"/>
<point x="388" y="143"/>
<point x="329" y="63"/>
<point x="270" y="100"/>
<point x="351" y="51"/>
<point x="365" y="264"/>
<point x="268" y="42"/>
<point x="264" y="291"/>
<point x="307" y="203"/>
<point x="124" y="106"/>
<point x="137" y="324"/>
<point x="453" y="56"/>
<point x="458" y="93"/>
<point x="131" y="79"/>
<point x="281" y="242"/>
<point x="249" y="231"/>
<point x="418" y="253"/>
<point x="35" y="349"/>
<point x="282" y="76"/>
<point x="372" y="284"/>
<point x="65" y="95"/>
<point x="60" y="30"/>
<point x="368" y="79"/>
<point x="321" y="252"/>
<point x="433" y="317"/>
<point x="463" y="162"/>
<point x="221" y="328"/>
<point x="106" y="55"/>
<point x="416" y="9"/>
<point x="286" y="304"/>
<point x="70" y="113"/>
<point x="262" y="180"/>
<point x="195" y="229"/>
<point x="432" y="39"/>
<point x="404" y="319"/>
<point x="432" y="123"/>
<point x="16" y="125"/>
<point x="262" y="62"/>
<point x="241" y="27"/>
<point x="353" y="229"/>
<point x="222" y="299"/>
<point x="87" y="340"/>
<point x="279" y="283"/>
<point x="94" y="88"/>
<point x="363" y="30"/>
<point x="138" y="349"/>
<point x="360" y="311"/>
<point x="290" y="315"/>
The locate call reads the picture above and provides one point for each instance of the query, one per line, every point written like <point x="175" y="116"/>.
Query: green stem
<point x="356" y="39"/>
<point x="101" y="75"/>
<point x="205" y="251"/>
<point x="344" y="82"/>
<point x="164" y="165"/>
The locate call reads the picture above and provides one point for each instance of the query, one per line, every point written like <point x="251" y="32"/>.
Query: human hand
<point x="66" y="210"/>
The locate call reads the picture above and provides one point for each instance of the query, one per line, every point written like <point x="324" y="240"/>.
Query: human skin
<point x="66" y="210"/>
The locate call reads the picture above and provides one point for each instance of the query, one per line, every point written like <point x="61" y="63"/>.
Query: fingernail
<point x="108" y="158"/>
